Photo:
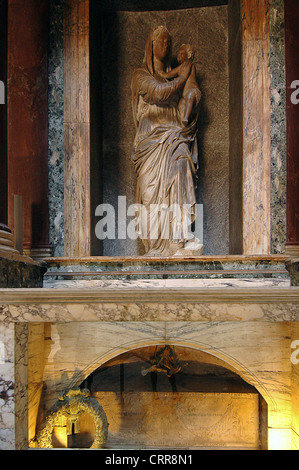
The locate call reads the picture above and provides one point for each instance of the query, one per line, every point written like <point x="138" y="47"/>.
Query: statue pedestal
<point x="172" y="268"/>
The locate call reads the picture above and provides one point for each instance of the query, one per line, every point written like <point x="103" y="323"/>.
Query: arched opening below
<point x="202" y="404"/>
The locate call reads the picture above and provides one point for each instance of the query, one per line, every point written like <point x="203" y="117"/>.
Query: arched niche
<point x="206" y="404"/>
<point x="233" y="42"/>
<point x="118" y="33"/>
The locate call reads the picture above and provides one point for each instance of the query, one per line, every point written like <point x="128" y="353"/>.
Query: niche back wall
<point x="117" y="48"/>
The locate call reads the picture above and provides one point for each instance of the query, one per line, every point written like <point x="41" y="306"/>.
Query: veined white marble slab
<point x="7" y="408"/>
<point x="165" y="283"/>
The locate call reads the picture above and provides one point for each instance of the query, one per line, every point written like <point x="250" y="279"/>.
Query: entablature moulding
<point x="150" y="305"/>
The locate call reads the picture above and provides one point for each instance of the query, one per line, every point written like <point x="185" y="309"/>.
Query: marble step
<point x="204" y="267"/>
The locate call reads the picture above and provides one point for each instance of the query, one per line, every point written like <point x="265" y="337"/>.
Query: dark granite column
<point x="27" y="120"/>
<point x="56" y="129"/>
<point x="292" y="75"/>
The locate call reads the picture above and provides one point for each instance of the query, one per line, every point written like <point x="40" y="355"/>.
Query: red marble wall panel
<point x="27" y="114"/>
<point x="3" y="133"/>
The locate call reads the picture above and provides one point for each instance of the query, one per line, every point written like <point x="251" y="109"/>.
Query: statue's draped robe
<point x="165" y="158"/>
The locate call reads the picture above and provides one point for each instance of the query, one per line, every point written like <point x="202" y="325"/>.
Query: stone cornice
<point x="289" y="295"/>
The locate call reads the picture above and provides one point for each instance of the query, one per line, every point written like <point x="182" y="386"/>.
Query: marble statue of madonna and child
<point x="165" y="109"/>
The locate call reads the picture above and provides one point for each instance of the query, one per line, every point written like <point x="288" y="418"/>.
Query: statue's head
<point x="185" y="52"/>
<point x="158" y="45"/>
<point x="161" y="43"/>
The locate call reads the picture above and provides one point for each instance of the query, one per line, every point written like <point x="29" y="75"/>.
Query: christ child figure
<point x="191" y="93"/>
